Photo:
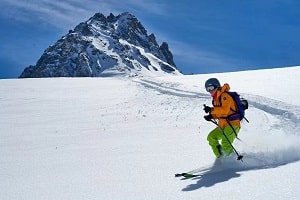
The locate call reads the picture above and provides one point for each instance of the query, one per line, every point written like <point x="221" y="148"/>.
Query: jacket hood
<point x="224" y="88"/>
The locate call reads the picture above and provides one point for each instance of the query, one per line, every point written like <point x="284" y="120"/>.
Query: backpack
<point x="241" y="104"/>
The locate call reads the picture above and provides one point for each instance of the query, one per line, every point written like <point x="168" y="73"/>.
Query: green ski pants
<point x="216" y="139"/>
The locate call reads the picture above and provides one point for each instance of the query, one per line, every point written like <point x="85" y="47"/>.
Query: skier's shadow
<point x="211" y="178"/>
<point x="217" y="175"/>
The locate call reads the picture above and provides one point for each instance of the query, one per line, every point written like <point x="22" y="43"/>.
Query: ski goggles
<point x="210" y="88"/>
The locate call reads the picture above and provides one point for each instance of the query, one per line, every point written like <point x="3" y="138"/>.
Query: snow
<point x="125" y="138"/>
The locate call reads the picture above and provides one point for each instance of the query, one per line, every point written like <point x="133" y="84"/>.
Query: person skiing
<point x="220" y="139"/>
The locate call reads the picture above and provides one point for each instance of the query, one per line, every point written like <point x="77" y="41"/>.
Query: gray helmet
<point x="212" y="81"/>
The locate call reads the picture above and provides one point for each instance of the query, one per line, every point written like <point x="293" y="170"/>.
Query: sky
<point x="205" y="36"/>
<point x="118" y="138"/>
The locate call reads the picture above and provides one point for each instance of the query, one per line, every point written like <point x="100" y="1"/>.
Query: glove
<point x="208" y="117"/>
<point x="207" y="109"/>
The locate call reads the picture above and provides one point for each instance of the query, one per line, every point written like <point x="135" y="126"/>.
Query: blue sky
<point x="205" y="36"/>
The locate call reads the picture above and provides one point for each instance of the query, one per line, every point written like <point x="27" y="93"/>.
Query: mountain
<point x="105" y="46"/>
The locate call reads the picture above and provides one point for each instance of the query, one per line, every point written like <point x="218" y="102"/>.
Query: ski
<point x="216" y="167"/>
<point x="187" y="175"/>
<point x="194" y="173"/>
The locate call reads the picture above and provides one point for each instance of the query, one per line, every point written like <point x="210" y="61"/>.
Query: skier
<point x="223" y="106"/>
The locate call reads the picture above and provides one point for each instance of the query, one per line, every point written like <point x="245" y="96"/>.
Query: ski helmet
<point x="212" y="82"/>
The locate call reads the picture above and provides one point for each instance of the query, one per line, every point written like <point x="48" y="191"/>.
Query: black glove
<point x="208" y="117"/>
<point x="207" y="109"/>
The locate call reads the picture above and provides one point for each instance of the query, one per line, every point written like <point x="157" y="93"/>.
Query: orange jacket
<point x="223" y="105"/>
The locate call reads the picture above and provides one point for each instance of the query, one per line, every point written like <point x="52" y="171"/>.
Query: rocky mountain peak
<point x="105" y="46"/>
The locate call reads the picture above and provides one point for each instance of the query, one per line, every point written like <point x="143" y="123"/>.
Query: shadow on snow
<point x="229" y="168"/>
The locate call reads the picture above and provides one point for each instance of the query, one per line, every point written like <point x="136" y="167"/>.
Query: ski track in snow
<point x="165" y="88"/>
<point x="255" y="157"/>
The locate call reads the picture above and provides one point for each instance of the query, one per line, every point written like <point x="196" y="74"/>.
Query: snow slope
<point x="118" y="138"/>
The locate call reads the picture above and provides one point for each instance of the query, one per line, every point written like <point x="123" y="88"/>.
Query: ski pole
<point x="239" y="157"/>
